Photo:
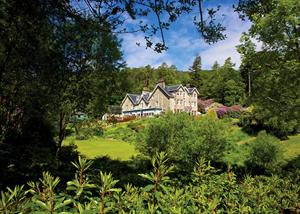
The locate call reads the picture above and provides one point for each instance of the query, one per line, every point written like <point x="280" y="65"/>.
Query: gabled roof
<point x="191" y="90"/>
<point x="173" y="88"/>
<point x="163" y="90"/>
<point x="167" y="91"/>
<point x="144" y="97"/>
<point x="134" y="98"/>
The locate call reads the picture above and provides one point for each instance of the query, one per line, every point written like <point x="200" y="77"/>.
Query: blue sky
<point x="184" y="42"/>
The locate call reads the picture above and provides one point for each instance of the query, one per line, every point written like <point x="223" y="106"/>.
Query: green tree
<point x="215" y="66"/>
<point x="265" y="154"/>
<point x="247" y="67"/>
<point x="274" y="92"/>
<point x="195" y="71"/>
<point x="225" y="85"/>
<point x="184" y="138"/>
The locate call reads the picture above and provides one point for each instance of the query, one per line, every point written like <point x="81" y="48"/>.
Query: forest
<point x="62" y="57"/>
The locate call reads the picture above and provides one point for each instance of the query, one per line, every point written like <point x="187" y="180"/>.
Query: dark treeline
<point x="223" y="83"/>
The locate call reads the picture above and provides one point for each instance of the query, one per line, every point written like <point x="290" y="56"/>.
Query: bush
<point x="209" y="192"/>
<point x="265" y="154"/>
<point x="245" y="119"/>
<point x="81" y="137"/>
<point x="98" y="131"/>
<point x="184" y="138"/>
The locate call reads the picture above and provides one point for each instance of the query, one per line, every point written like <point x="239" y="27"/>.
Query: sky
<point x="185" y="43"/>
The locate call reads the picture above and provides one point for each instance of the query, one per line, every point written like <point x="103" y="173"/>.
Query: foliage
<point x="232" y="111"/>
<point x="195" y="73"/>
<point x="146" y="77"/>
<point x="273" y="73"/>
<point x="265" y="154"/>
<point x="209" y="192"/>
<point x="277" y="107"/>
<point x="184" y="138"/>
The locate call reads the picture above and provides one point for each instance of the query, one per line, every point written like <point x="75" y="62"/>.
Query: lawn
<point x="240" y="149"/>
<point x="291" y="146"/>
<point x="118" y="143"/>
<point x="96" y="146"/>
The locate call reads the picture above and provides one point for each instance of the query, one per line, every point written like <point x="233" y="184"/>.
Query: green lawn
<point x="240" y="149"/>
<point x="291" y="146"/>
<point x="97" y="146"/>
<point x="115" y="143"/>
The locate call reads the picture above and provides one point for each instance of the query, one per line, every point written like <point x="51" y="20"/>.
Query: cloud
<point x="137" y="56"/>
<point x="184" y="44"/>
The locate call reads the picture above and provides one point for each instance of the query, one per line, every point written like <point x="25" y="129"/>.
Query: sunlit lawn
<point x="97" y="146"/>
<point x="291" y="146"/>
<point x="240" y="151"/>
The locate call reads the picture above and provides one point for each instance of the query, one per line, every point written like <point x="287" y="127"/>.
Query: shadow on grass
<point x="124" y="171"/>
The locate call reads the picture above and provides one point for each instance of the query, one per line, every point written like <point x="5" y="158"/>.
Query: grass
<point x="96" y="146"/>
<point x="240" y="142"/>
<point x="118" y="140"/>
<point x="126" y="131"/>
<point x="291" y="146"/>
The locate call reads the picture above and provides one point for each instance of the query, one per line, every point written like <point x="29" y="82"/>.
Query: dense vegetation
<point x="56" y="60"/>
<point x="209" y="191"/>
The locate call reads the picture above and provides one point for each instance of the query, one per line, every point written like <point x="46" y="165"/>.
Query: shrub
<point x="265" y="154"/>
<point x="209" y="192"/>
<point x="184" y="138"/>
<point x="221" y="112"/>
<point x="81" y="137"/>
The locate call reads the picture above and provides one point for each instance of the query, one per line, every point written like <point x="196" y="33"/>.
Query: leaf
<point x="65" y="203"/>
<point x="148" y="188"/>
<point x="40" y="204"/>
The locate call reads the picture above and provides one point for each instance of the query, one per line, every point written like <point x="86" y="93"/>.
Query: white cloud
<point x="226" y="48"/>
<point x="137" y="56"/>
<point x="184" y="43"/>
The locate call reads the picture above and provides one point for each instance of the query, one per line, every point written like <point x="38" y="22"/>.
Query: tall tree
<point x="195" y="70"/>
<point x="215" y="66"/>
<point x="224" y="84"/>
<point x="275" y="88"/>
<point x="247" y="67"/>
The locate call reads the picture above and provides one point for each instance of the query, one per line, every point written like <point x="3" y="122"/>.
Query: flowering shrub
<point x="116" y="119"/>
<point x="232" y="111"/>
<point x="204" y="104"/>
<point x="222" y="111"/>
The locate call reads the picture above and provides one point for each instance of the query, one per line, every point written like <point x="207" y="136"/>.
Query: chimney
<point x="161" y="83"/>
<point x="145" y="90"/>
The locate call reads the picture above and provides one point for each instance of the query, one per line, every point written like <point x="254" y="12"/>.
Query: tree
<point x="247" y="68"/>
<point x="116" y="13"/>
<point x="215" y="66"/>
<point x="224" y="85"/>
<point x="274" y="92"/>
<point x="265" y="154"/>
<point x="50" y="62"/>
<point x="195" y="70"/>
<point x="184" y="138"/>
